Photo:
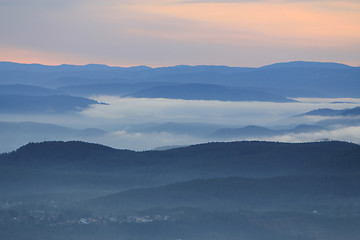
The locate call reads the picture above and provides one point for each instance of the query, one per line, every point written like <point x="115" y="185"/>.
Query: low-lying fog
<point x="143" y="124"/>
<point x="140" y="110"/>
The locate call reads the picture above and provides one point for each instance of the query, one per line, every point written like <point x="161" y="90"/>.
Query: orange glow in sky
<point x="262" y="22"/>
<point x="169" y="32"/>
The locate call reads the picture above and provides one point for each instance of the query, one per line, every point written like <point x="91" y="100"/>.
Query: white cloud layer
<point x="348" y="134"/>
<point x="124" y="112"/>
<point x="139" y="110"/>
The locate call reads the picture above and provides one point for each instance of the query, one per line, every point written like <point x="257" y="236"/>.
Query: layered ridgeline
<point x="328" y="112"/>
<point x="24" y="99"/>
<point x="333" y="118"/>
<point x="257" y="131"/>
<point x="274" y="83"/>
<point x="254" y="190"/>
<point x="69" y="165"/>
<point x="21" y="133"/>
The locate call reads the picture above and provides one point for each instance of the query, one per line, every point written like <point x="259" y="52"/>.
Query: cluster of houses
<point x="18" y="216"/>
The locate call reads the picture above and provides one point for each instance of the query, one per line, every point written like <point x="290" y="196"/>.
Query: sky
<point x="172" y="32"/>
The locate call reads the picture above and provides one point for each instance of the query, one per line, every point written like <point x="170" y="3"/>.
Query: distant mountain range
<point x="257" y="131"/>
<point x="332" y="112"/>
<point x="294" y="79"/>
<point x="51" y="104"/>
<point x="194" y="129"/>
<point x="207" y="92"/>
<point x="174" y="91"/>
<point x="41" y="129"/>
<point x="307" y="65"/>
<point x="16" y="134"/>
<point x="219" y="132"/>
<point x="27" y="90"/>
<point x="236" y="190"/>
<point x="25" y="99"/>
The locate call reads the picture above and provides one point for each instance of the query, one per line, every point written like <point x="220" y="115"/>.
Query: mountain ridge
<point x="248" y="158"/>
<point x="258" y="131"/>
<point x="207" y="92"/>
<point x="332" y="112"/>
<point x="301" y="64"/>
<point x="316" y="79"/>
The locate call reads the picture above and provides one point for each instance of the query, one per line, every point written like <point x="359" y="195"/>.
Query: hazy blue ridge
<point x="294" y="79"/>
<point x="307" y="64"/>
<point x="332" y="112"/>
<point x="257" y="131"/>
<point x="39" y="130"/>
<point x="51" y="104"/>
<point x="207" y="92"/>
<point x="27" y="90"/>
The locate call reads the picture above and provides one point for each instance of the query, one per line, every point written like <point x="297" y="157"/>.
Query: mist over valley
<point x="182" y="152"/>
<point x="143" y="108"/>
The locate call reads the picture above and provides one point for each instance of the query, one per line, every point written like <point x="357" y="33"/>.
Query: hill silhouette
<point x="256" y="190"/>
<point x="332" y="112"/>
<point x="20" y="89"/>
<point x="294" y="79"/>
<point x="52" y="104"/>
<point x="38" y="164"/>
<point x="257" y="131"/>
<point x="207" y="92"/>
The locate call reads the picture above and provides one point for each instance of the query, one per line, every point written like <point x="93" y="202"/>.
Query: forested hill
<point x="214" y="159"/>
<point x="293" y="191"/>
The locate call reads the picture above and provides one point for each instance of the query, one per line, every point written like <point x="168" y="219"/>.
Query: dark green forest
<point x="238" y="190"/>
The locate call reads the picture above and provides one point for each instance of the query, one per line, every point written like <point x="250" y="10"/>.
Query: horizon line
<point x="188" y="65"/>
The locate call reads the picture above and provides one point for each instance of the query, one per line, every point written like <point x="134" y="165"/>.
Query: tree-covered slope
<point x="84" y="165"/>
<point x="281" y="193"/>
